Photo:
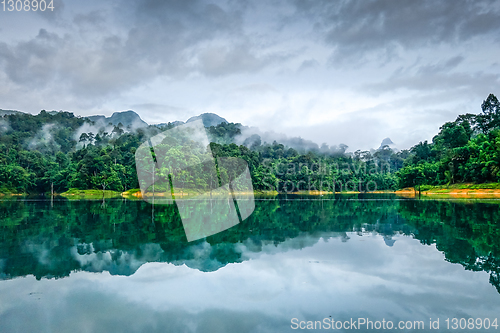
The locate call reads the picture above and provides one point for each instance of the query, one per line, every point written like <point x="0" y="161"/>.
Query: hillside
<point x="7" y="112"/>
<point x="129" y="119"/>
<point x="56" y="151"/>
<point x="209" y="119"/>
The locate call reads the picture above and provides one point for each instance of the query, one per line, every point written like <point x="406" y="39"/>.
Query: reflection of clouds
<point x="117" y="262"/>
<point x="301" y="277"/>
<point x="87" y="309"/>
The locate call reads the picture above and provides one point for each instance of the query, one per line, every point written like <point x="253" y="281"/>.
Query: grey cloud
<point x="52" y="15"/>
<point x="163" y="31"/>
<point x="155" y="113"/>
<point x="192" y="36"/>
<point x="85" y="310"/>
<point x="306" y="64"/>
<point x="259" y="88"/>
<point x="217" y="61"/>
<point x="442" y="66"/>
<point x="153" y="39"/>
<point x="366" y="128"/>
<point x="356" y="27"/>
<point x="31" y="63"/>
<point x="431" y="79"/>
<point x="191" y="16"/>
<point x="62" y="64"/>
<point x="93" y="18"/>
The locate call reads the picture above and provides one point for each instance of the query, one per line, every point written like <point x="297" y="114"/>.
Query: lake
<point x="296" y="263"/>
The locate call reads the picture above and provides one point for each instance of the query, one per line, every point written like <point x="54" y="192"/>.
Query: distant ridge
<point x="8" y="112"/>
<point x="386" y="142"/>
<point x="175" y="123"/>
<point x="209" y="119"/>
<point x="129" y="119"/>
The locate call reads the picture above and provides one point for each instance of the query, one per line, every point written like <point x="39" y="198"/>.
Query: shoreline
<point x="466" y="190"/>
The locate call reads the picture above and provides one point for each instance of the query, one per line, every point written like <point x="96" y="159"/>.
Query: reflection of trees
<point x="466" y="233"/>
<point x="50" y="241"/>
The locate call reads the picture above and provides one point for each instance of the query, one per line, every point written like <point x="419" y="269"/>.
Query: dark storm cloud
<point x="30" y="63"/>
<point x="94" y="18"/>
<point x="163" y="31"/>
<point x="174" y="39"/>
<point x="356" y="27"/>
<point x="154" y="38"/>
<point x="311" y="63"/>
<point x="195" y="36"/>
<point x="437" y="77"/>
<point x="54" y="14"/>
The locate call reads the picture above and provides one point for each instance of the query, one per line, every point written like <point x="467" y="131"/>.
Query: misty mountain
<point x="209" y="119"/>
<point x="129" y="119"/>
<point x="387" y="142"/>
<point x="175" y="123"/>
<point x="7" y="112"/>
<point x="250" y="137"/>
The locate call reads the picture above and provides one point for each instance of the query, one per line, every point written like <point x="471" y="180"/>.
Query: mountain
<point x="129" y="119"/>
<point x="386" y="142"/>
<point x="7" y="112"/>
<point x="209" y="119"/>
<point x="175" y="123"/>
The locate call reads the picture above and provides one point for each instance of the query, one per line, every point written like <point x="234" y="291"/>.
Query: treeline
<point x="465" y="150"/>
<point x="49" y="152"/>
<point x="56" y="151"/>
<point x="40" y="153"/>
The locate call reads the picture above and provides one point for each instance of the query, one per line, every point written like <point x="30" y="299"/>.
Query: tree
<point x="490" y="119"/>
<point x="452" y="135"/>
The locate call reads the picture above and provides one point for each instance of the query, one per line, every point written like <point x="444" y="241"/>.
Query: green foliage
<point x="39" y="153"/>
<point x="466" y="150"/>
<point x="48" y="152"/>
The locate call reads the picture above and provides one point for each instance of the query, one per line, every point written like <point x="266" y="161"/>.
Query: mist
<point x="43" y="141"/>
<point x="252" y="136"/>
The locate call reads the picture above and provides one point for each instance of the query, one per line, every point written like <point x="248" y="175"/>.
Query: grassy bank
<point x="185" y="193"/>
<point x="74" y="193"/>
<point x="486" y="190"/>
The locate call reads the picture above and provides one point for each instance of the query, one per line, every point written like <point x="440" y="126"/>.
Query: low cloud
<point x="251" y="136"/>
<point x="44" y="140"/>
<point x="4" y="125"/>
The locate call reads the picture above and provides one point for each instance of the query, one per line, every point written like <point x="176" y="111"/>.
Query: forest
<point x="51" y="153"/>
<point x="466" y="150"/>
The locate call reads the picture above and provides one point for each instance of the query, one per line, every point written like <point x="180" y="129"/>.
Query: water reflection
<point x="52" y="239"/>
<point x="342" y="258"/>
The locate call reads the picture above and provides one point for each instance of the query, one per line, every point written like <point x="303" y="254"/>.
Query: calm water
<point x="119" y="266"/>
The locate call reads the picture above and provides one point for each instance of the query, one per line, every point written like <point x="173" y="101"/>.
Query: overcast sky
<point x="350" y="72"/>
